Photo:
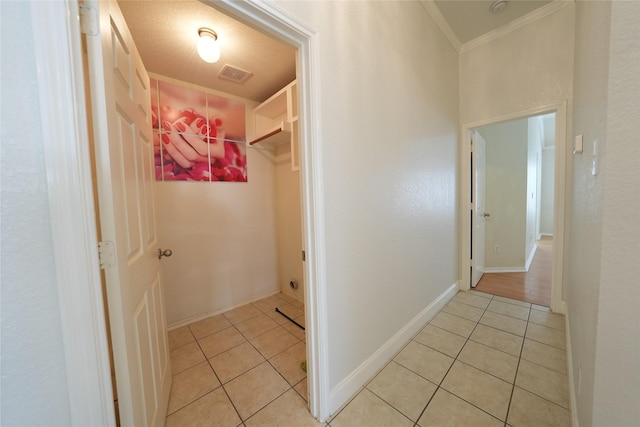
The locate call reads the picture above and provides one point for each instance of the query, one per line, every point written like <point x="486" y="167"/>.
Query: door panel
<point x="128" y="183"/>
<point x="478" y="228"/>
<point x="120" y="99"/>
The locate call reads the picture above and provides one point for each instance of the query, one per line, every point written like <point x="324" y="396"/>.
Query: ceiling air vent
<point x="234" y="74"/>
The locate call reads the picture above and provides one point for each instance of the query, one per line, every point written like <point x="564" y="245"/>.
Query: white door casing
<point x="120" y="100"/>
<point x="479" y="208"/>
<point x="61" y="79"/>
<point x="557" y="303"/>
<point x="273" y="20"/>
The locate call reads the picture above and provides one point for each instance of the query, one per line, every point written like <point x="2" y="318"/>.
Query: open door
<point x="479" y="215"/>
<point x="120" y="101"/>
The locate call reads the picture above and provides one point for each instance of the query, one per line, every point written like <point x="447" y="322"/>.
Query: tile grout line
<point x="515" y="378"/>
<point x="366" y="386"/>
<point x="290" y="387"/>
<point x="210" y="391"/>
<point x="247" y="340"/>
<point x="468" y="338"/>
<point x="439" y="385"/>
<point x="172" y="375"/>
<point x="220" y="381"/>
<point x="520" y="358"/>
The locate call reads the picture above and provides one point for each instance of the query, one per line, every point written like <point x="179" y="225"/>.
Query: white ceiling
<point x="165" y="33"/>
<point x="470" y="19"/>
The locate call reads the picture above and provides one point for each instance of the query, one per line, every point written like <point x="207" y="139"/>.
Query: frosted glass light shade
<point x="208" y="48"/>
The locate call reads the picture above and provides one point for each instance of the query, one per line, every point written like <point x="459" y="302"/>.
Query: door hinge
<point x="106" y="254"/>
<point x="304" y="256"/>
<point x="88" y="20"/>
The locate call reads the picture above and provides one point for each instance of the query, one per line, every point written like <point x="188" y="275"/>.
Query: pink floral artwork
<point x="198" y="136"/>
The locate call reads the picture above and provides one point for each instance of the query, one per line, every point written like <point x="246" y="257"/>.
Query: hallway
<point x="483" y="360"/>
<point x="534" y="286"/>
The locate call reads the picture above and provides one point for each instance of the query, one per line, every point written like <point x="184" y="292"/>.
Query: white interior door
<point x="120" y="101"/>
<point x="479" y="214"/>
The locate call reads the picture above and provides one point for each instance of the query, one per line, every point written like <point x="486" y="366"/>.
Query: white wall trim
<point x="525" y="20"/>
<point x="530" y="257"/>
<point x="559" y="204"/>
<point x="557" y="305"/>
<point x="275" y="21"/>
<point x="513" y="269"/>
<point x="442" y="23"/>
<point x="353" y="382"/>
<point x="58" y="52"/>
<point x="194" y="319"/>
<point x="504" y="270"/>
<point x="573" y="405"/>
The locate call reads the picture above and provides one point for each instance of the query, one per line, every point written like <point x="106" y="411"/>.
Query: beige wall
<point x="534" y="144"/>
<point x="288" y="224"/>
<point x="527" y="68"/>
<point x="34" y="379"/>
<point x="396" y="204"/>
<point x="547" y="191"/>
<point x="388" y="119"/>
<point x="223" y="237"/>
<point x="505" y="194"/>
<point x="603" y="269"/>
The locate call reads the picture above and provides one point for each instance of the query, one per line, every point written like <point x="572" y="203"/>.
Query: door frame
<point x="557" y="303"/>
<point x="63" y="114"/>
<point x="473" y="135"/>
<point x="58" y="56"/>
<point x="274" y="21"/>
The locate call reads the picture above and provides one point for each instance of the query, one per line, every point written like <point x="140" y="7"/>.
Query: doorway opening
<point x="512" y="189"/>
<point x="310" y="202"/>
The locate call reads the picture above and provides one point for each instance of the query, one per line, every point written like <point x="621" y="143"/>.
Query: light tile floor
<point x="483" y="360"/>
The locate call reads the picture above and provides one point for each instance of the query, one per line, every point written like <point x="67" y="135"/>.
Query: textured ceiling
<point x="165" y="33"/>
<point x="470" y="19"/>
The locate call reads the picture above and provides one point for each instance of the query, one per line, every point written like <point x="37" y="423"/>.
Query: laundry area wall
<point x="289" y="224"/>
<point x="224" y="235"/>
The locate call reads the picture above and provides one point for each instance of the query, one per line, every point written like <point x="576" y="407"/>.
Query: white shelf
<point x="275" y="106"/>
<point x="276" y="122"/>
<point x="275" y="137"/>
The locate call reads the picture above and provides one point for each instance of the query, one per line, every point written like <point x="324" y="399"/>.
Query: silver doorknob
<point x="486" y="215"/>
<point x="166" y="252"/>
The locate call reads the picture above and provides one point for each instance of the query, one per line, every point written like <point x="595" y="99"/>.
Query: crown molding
<point x="442" y="23"/>
<point x="527" y="19"/>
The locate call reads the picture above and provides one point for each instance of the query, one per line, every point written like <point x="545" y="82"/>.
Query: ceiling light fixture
<point x="498" y="6"/>
<point x="208" y="48"/>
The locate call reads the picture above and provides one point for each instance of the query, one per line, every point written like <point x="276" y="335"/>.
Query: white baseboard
<point x="530" y="259"/>
<point x="572" y="390"/>
<point x="541" y="235"/>
<point x="513" y="269"/>
<point x="350" y="385"/>
<point x="194" y="319"/>
<point x="504" y="270"/>
<point x="288" y="293"/>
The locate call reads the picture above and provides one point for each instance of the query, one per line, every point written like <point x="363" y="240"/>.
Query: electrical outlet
<point x="497" y="249"/>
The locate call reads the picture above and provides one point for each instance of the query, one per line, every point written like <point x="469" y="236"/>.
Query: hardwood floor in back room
<point x="533" y="286"/>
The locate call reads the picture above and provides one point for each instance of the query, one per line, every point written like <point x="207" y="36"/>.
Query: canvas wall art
<point x="198" y="136"/>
